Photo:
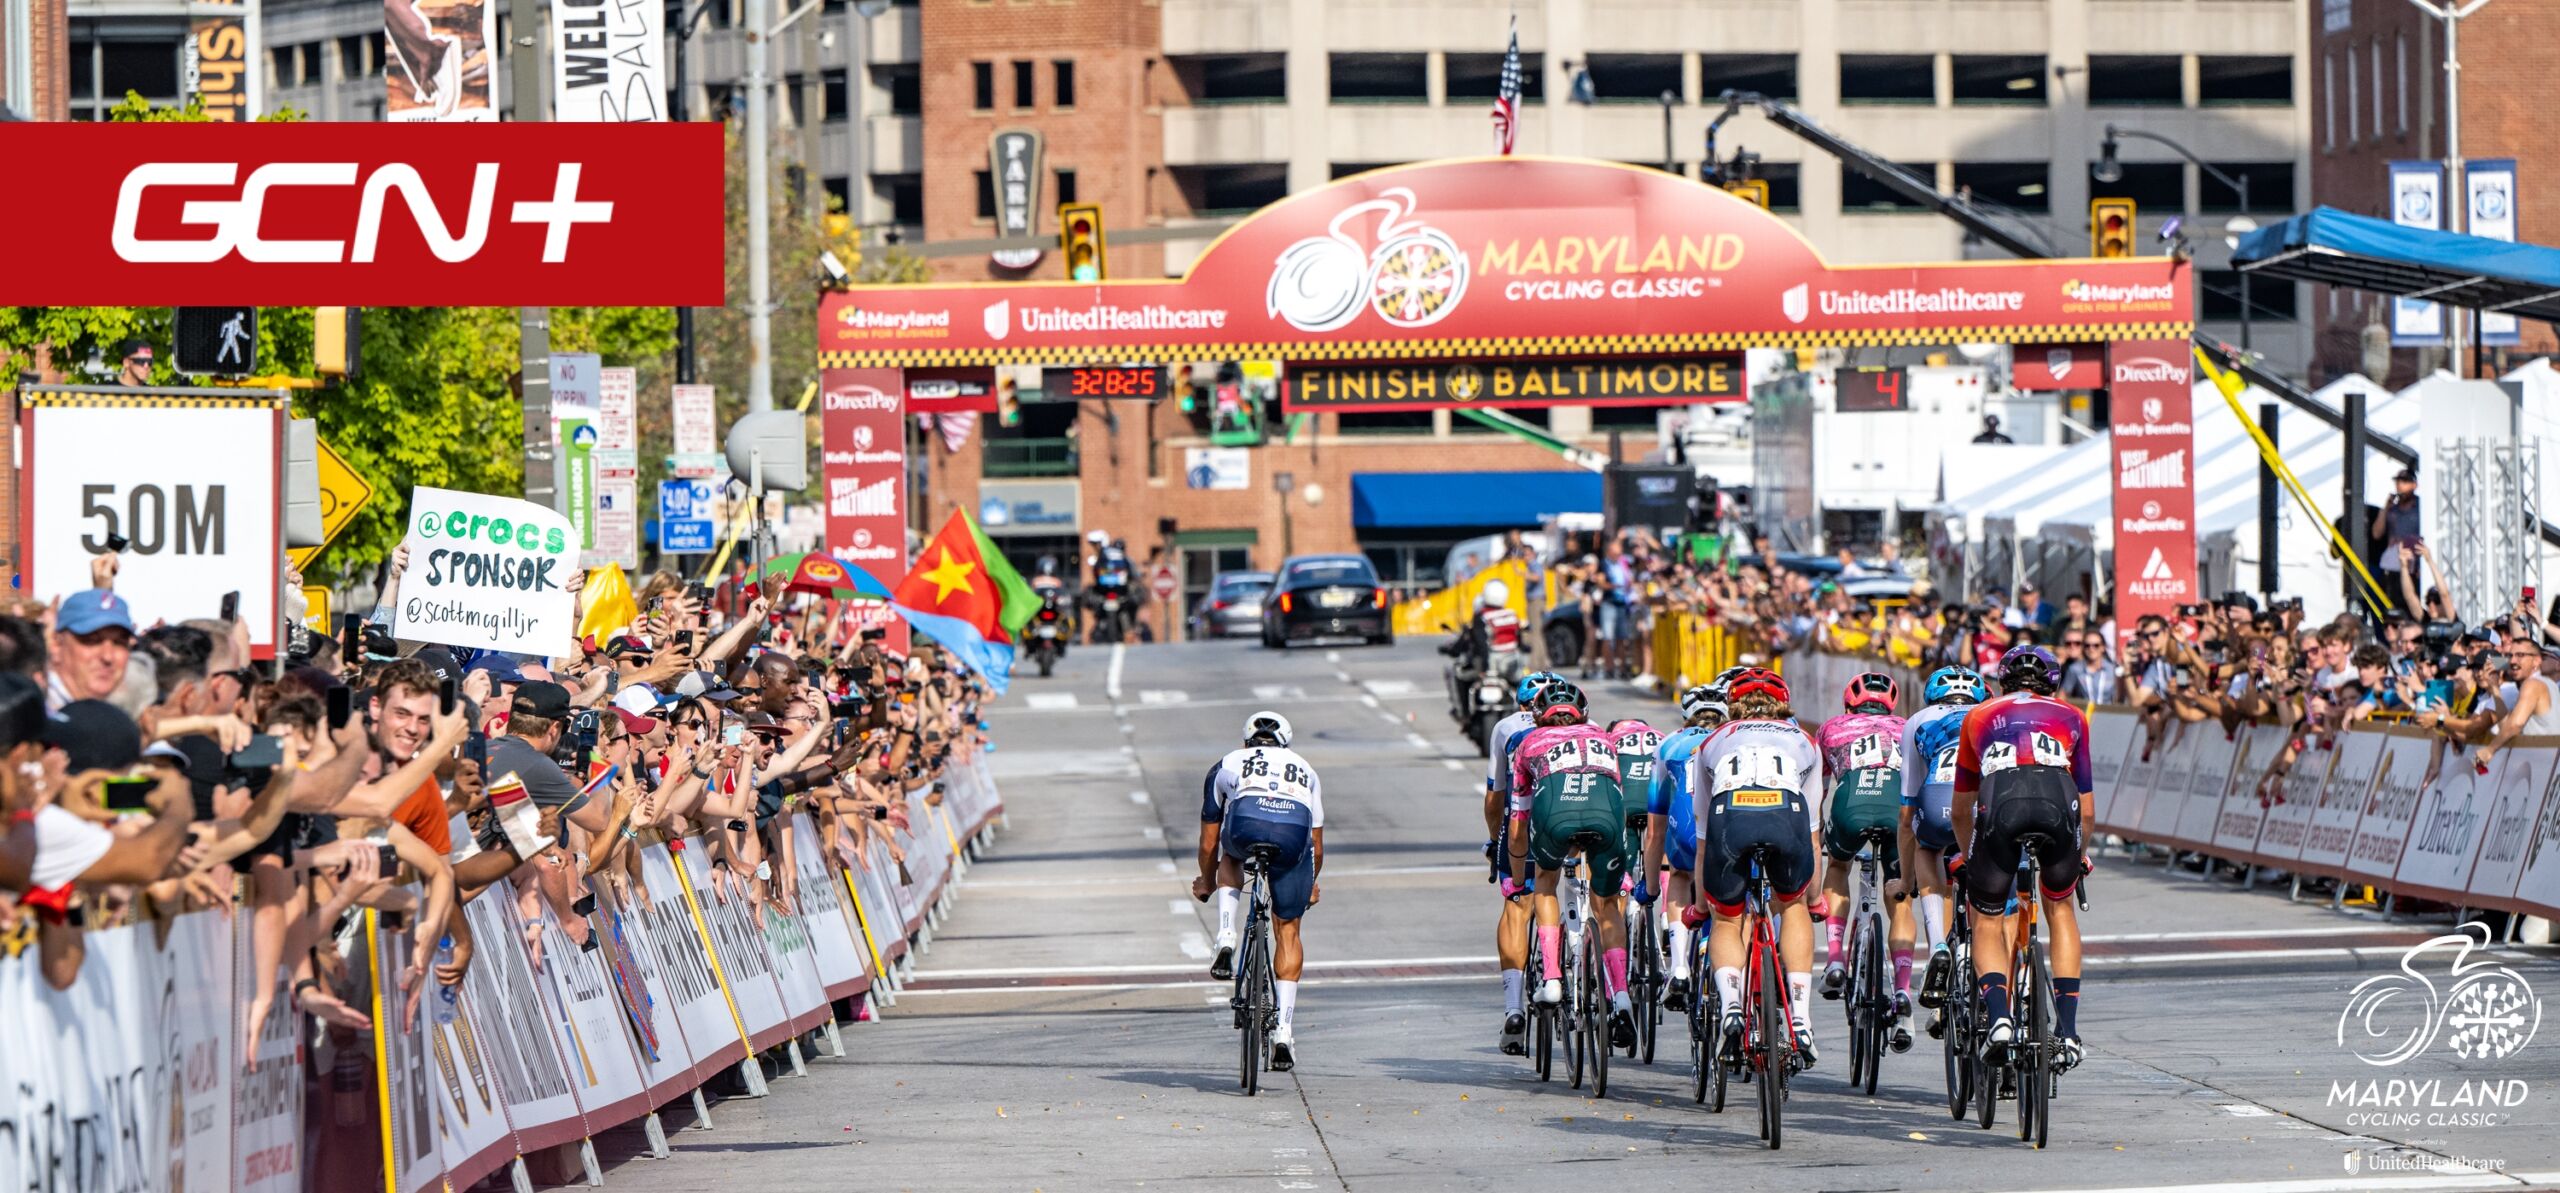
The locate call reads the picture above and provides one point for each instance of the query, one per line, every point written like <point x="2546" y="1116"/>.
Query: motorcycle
<point x="1478" y="695"/>
<point x="1116" y="604"/>
<point x="1048" y="635"/>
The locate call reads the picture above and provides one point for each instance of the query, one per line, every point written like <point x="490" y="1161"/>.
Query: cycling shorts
<point x="1680" y="842"/>
<point x="1863" y="801"/>
<point x="1933" y="819"/>
<point x="1736" y="826"/>
<point x="1580" y="811"/>
<point x="1283" y="826"/>
<point x="2039" y="802"/>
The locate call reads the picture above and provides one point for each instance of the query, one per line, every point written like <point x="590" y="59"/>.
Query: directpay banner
<point x="488" y="572"/>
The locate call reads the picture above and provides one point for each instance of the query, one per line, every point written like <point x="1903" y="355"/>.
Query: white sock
<point x="1933" y="918"/>
<point x="1680" y="949"/>
<point x="1227" y="911"/>
<point x="1513" y="982"/>
<point x="1800" y="993"/>
<point x="1729" y="988"/>
<point x="1288" y="1002"/>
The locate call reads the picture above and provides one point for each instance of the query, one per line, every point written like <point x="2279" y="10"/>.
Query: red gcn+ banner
<point x="294" y="214"/>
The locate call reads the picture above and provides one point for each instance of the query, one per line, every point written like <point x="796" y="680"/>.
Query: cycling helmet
<point x="1560" y="703"/>
<point x="1496" y="594"/>
<point x="2031" y="668"/>
<point x="1724" y="679"/>
<point x="1527" y="692"/>
<point x="1697" y="700"/>
<point x="1869" y="689"/>
<point x="1758" y="681"/>
<point x="1097" y="537"/>
<point x="1629" y="724"/>
<point x="1267" y="728"/>
<point x="1953" y="685"/>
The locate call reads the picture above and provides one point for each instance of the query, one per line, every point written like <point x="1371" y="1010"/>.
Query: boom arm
<point x="1893" y="177"/>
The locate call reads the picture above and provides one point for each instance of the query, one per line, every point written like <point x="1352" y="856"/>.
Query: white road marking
<point x="1111" y="682"/>
<point x="1368" y="699"/>
<point x="1122" y="987"/>
<point x="2240" y="955"/>
<point x="2456" y="1177"/>
<point x="1178" y="906"/>
<point x="1164" y="867"/>
<point x="2331" y="930"/>
<point x="1278" y="691"/>
<point x="1333" y="656"/>
<point x="1195" y="946"/>
<point x="1340" y="674"/>
<point x="1164" y="696"/>
<point x="1052" y="884"/>
<point x="1182" y="906"/>
<point x="1138" y="797"/>
<point x="1417" y="741"/>
<point x="1389" y="688"/>
<point x="1453" y="764"/>
<point x="1050" y="701"/>
<point x="1152" y="833"/>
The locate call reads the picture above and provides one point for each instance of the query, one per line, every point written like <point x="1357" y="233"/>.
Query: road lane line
<point x="2465" y="1180"/>
<point x="1180" y="906"/>
<point x="1368" y="699"/>
<point x="1050" y="701"/>
<point x="1453" y="764"/>
<point x="1138" y="797"/>
<point x="1111" y="682"/>
<point x="1123" y="987"/>
<point x="2268" y="934"/>
<point x="1418" y="741"/>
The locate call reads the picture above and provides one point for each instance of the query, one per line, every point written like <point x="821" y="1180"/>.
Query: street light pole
<point x="2109" y="170"/>
<point x="1670" y="99"/>
<point x="2457" y="199"/>
<point x="688" y="20"/>
<point x="759" y="214"/>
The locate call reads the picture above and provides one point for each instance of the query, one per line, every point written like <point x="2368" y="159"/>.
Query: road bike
<point x="1961" y="1027"/>
<point x="1543" y="1028"/>
<point x="1766" y="1055"/>
<point x="1869" y="998"/>
<point x="1585" y="1008"/>
<point x="2032" y="1066"/>
<point x="1645" y="979"/>
<point x="1256" y="1000"/>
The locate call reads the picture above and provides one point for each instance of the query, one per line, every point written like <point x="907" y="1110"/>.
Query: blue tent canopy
<point x="1415" y="500"/>
<point x="2331" y="246"/>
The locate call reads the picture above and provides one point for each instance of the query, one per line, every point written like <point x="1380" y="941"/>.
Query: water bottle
<point x="448" y="998"/>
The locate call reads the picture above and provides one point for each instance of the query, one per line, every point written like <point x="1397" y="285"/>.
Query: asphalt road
<point x="1063" y="1034"/>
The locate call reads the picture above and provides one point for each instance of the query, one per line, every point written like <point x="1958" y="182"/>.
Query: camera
<point x="2191" y="610"/>
<point x="578" y="741"/>
<point x="2292" y="604"/>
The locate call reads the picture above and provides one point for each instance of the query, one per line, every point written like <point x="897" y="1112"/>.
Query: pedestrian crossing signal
<point x="1754" y="191"/>
<point x="217" y="341"/>
<point x="335" y="339"/>
<point x="1080" y="241"/>
<point x="2111" y="228"/>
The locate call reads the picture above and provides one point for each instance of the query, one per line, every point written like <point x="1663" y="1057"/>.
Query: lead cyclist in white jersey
<point x="1264" y="796"/>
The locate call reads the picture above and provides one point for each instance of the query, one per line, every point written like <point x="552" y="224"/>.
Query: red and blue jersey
<point x="2021" y="729"/>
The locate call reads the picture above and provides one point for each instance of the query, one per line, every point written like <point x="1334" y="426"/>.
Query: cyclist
<point x="1671" y="830"/>
<point x="1928" y="810"/>
<point x="1749" y="779"/>
<point x="2022" y="767"/>
<point x="1264" y="794"/>
<point x="1862" y="772"/>
<point x="1511" y="932"/>
<point x="1564" y="783"/>
<point x="1639" y="744"/>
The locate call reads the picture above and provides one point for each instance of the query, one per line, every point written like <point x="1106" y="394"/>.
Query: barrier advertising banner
<point x="2331" y="839"/>
<point x="2150" y="403"/>
<point x="2245" y="799"/>
<point x="2400" y="781"/>
<point x="488" y="572"/>
<point x="863" y="459"/>
<point x="2518" y="784"/>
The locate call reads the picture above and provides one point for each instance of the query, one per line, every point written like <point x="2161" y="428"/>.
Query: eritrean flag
<point x="962" y="594"/>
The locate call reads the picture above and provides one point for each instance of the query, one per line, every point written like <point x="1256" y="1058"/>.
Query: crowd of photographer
<point x="153" y="769"/>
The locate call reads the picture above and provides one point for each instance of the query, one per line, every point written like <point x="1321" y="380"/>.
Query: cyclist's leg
<point x="1550" y="917"/>
<point x="2062" y="929"/>
<point x="1990" y="877"/>
<point x="1608" y="870"/>
<point x="1721" y="879"/>
<point x="1835" y="888"/>
<point x="1511" y="942"/>
<point x="1900" y="932"/>
<point x="1679" y="892"/>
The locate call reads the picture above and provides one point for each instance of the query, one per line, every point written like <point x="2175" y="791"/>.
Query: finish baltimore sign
<point x="1500" y="260"/>
<point x="1515" y="384"/>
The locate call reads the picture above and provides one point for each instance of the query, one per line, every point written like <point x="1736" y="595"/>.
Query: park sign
<point x="491" y="573"/>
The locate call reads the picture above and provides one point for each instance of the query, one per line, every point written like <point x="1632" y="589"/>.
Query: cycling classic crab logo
<point x="1412" y="275"/>
<point x="2480" y="1009"/>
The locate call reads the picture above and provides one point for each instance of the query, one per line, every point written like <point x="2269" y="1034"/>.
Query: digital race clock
<point x="1087" y="383"/>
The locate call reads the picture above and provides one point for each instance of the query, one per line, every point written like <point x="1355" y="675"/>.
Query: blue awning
<point x="2331" y="246"/>
<point x="1391" y="500"/>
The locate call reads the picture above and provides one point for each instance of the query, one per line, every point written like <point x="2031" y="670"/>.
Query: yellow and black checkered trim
<point x="1496" y="348"/>
<point x="58" y="399"/>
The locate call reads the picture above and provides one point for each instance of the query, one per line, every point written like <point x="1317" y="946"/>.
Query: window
<point x="2353" y="131"/>
<point x="1347" y="169"/>
<point x="1998" y="78"/>
<point x="905" y="193"/>
<point x="351" y="59"/>
<point x="1232" y="189"/>
<point x="1062" y="83"/>
<point x="1024" y="85"/>
<point x="1861" y="193"/>
<point x="2237" y="80"/>
<point x="1888" y="79"/>
<point x="2156" y="186"/>
<point x="2329" y="102"/>
<point x="1633" y="420"/>
<point x="904" y="83"/>
<point x="2377" y="88"/>
<point x="1379" y="79"/>
<point x="150" y="67"/>
<point x="986" y="194"/>
<point x="839" y="93"/>
<point x="1772" y="75"/>
<point x="1066" y="185"/>
<point x="2400" y="50"/>
<point x="2218" y="297"/>
<point x="839" y="193"/>
<point x="2270" y="188"/>
<point x="794" y="93"/>
<point x="1785" y="181"/>
<point x="2135" y="80"/>
<point x="1633" y="78"/>
<point x="2020" y="186"/>
<point x="1232" y="78"/>
<point x="374" y="53"/>
<point x="982" y="76"/>
<point x="1479" y="76"/>
<point x="1387" y="422"/>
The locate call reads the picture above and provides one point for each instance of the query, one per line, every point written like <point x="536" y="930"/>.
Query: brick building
<point x="2380" y="98"/>
<point x="34" y="50"/>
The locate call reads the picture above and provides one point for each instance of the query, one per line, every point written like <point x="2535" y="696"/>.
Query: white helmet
<point x="1268" y="724"/>
<point x="1495" y="594"/>
<point x="1097" y="537"/>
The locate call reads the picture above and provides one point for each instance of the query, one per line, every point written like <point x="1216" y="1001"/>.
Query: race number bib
<point x="1752" y="767"/>
<point x="1943" y="770"/>
<point x="2043" y="749"/>
<point x="1999" y="756"/>
<point x="1875" y="750"/>
<point x="1259" y="772"/>
<point x="2049" y="750"/>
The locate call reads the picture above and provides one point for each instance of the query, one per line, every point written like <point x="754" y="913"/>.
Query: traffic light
<point x="217" y="341"/>
<point x="1754" y="191"/>
<point x="1080" y="239"/>
<point x="2111" y="228"/>
<point x="335" y="336"/>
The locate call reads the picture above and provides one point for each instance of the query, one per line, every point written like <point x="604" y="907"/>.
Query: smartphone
<point x="2528" y="594"/>
<point x="127" y="794"/>
<point x="733" y="733"/>
<point x="390" y="859"/>
<point x="264" y="751"/>
<point x="698" y="592"/>
<point x="342" y="704"/>
<point x="684" y="642"/>
<point x="231" y="605"/>
<point x="351" y="637"/>
<point x="116" y="543"/>
<point x="448" y="693"/>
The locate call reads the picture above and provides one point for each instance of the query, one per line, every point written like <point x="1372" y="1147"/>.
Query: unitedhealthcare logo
<point x="1796" y="303"/>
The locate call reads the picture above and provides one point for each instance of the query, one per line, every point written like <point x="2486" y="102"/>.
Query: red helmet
<point x="1757" y="680"/>
<point x="1873" y="687"/>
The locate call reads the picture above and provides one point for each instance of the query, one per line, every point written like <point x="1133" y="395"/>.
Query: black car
<point x="1326" y="596"/>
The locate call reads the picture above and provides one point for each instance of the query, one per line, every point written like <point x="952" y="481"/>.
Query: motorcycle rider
<point x="1488" y="644"/>
<point x="1108" y="563"/>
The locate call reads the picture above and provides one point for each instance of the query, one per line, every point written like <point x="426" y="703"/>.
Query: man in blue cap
<point x="92" y="639"/>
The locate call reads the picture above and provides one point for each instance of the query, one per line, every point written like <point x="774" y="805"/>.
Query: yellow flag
<point x="609" y="606"/>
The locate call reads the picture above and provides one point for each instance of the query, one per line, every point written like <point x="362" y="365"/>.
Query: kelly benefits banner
<point x="488" y="572"/>
<point x="2150" y="399"/>
<point x="864" y="461"/>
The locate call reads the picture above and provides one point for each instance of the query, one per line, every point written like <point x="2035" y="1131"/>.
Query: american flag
<point x="1506" y="101"/>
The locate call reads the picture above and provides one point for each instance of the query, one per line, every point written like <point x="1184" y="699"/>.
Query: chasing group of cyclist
<point x="1719" y="820"/>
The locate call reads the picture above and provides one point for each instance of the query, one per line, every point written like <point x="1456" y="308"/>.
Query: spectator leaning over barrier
<point x="2537" y="706"/>
<point x="2091" y="675"/>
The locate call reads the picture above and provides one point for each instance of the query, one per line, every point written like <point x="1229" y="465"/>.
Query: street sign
<point x="342" y="493"/>
<point x="316" y="617"/>
<point x="216" y="341"/>
<point x="1163" y="583"/>
<point x="617" y="525"/>
<point x="685" y="516"/>
<point x="617" y="454"/>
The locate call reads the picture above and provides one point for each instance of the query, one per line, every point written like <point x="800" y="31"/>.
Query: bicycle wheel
<point x="1776" y="1044"/>
<point x="2035" y="1073"/>
<point x="1862" y="1034"/>
<point x="1959" y="1036"/>
<point x="1875" y="999"/>
<point x="1720" y="1069"/>
<point x="1986" y="1082"/>
<point x="1249" y="976"/>
<point x="1596" y="1023"/>
<point x="1544" y="1027"/>
<point x="1576" y="1040"/>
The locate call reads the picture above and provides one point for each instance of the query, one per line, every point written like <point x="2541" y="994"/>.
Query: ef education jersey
<point x="1929" y="751"/>
<point x="1744" y="759"/>
<point x="2022" y="729"/>
<point x="1555" y="750"/>
<point x="1273" y="772"/>
<point x="1859" y="741"/>
<point x="1637" y="746"/>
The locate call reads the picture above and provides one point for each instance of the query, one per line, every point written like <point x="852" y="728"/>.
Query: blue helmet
<point x="2031" y="668"/>
<point x="1530" y="683"/>
<point x="1953" y="685"/>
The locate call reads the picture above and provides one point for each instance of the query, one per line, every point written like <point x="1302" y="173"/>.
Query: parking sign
<point x="684" y="516"/>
